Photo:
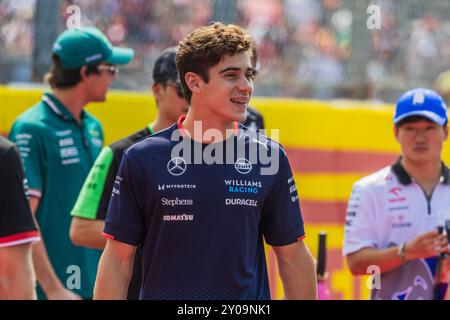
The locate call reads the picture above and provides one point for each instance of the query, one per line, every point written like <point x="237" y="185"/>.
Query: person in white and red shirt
<point x="393" y="214"/>
<point x="17" y="228"/>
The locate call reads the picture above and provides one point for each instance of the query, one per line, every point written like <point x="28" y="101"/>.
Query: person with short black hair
<point x="393" y="214"/>
<point x="59" y="141"/>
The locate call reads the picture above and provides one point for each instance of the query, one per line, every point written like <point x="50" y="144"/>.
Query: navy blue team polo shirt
<point x="201" y="226"/>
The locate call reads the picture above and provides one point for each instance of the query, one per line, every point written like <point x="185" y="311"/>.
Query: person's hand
<point x="426" y="245"/>
<point x="62" y="294"/>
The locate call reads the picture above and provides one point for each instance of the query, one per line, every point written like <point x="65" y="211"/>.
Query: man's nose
<point x="246" y="85"/>
<point x="421" y="135"/>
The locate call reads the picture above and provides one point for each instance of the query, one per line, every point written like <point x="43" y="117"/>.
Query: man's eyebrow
<point x="235" y="69"/>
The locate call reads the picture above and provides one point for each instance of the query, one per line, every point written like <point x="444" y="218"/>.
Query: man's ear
<point x="156" y="89"/>
<point x="83" y="73"/>
<point x="395" y="130"/>
<point x="446" y="131"/>
<point x="193" y="81"/>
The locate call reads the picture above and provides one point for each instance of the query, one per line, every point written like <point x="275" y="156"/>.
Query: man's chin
<point x="423" y="158"/>
<point x="99" y="99"/>
<point x="234" y="117"/>
<point x="240" y="117"/>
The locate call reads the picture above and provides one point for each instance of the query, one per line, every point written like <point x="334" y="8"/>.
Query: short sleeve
<point x="88" y="204"/>
<point x="109" y="184"/>
<point x="17" y="225"/>
<point x="359" y="230"/>
<point x="282" y="219"/>
<point x="124" y="220"/>
<point x="29" y="141"/>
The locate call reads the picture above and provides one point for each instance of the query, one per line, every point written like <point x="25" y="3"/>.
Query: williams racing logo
<point x="243" y="186"/>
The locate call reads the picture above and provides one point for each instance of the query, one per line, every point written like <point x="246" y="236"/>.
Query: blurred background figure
<point x="442" y="85"/>
<point x="17" y="229"/>
<point x="59" y="141"/>
<point x="309" y="48"/>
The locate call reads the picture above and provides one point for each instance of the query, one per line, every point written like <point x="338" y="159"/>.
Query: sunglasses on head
<point x="113" y="70"/>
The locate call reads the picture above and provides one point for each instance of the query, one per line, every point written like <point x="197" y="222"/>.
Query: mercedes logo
<point x="176" y="166"/>
<point x="243" y="166"/>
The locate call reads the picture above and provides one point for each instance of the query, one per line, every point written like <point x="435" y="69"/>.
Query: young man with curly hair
<point x="201" y="222"/>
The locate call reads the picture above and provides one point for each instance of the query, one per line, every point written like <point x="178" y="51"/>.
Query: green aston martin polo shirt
<point x="58" y="153"/>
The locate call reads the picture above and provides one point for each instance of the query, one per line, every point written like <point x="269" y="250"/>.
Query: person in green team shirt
<point x="59" y="142"/>
<point x="90" y="209"/>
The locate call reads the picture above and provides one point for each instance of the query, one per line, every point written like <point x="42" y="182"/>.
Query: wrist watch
<point x="401" y="251"/>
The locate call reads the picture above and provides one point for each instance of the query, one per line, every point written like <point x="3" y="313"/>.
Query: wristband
<point x="401" y="251"/>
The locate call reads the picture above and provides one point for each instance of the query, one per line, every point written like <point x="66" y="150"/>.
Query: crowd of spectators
<point x="304" y="46"/>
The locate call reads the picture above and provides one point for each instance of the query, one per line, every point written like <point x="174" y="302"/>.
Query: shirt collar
<point x="183" y="117"/>
<point x="406" y="179"/>
<point x="150" y="129"/>
<point x="58" y="108"/>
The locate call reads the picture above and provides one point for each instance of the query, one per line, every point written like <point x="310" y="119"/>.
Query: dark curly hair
<point x="204" y="48"/>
